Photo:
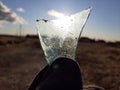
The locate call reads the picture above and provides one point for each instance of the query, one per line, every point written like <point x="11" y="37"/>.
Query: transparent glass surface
<point x="59" y="37"/>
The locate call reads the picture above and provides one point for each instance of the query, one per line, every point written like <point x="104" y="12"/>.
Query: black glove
<point x="62" y="74"/>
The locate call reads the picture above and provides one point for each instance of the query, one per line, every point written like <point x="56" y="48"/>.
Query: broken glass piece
<point x="59" y="37"/>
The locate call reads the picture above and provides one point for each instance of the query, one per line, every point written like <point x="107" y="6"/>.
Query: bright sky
<point x="103" y="23"/>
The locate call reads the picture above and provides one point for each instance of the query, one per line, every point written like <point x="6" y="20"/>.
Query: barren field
<point x="22" y="58"/>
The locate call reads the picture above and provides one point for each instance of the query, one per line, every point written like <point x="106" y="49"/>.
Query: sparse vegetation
<point x="20" y="61"/>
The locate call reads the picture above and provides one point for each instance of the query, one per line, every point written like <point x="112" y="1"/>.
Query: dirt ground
<point x="22" y="58"/>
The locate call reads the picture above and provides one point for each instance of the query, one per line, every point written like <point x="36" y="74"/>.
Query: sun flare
<point x="63" y="23"/>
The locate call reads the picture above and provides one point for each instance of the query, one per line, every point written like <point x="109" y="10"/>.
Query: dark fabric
<point x="62" y="74"/>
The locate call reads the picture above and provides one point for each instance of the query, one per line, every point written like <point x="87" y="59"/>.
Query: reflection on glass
<point x="59" y="37"/>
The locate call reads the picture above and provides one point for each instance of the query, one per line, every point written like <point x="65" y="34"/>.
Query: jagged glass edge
<point x="42" y="43"/>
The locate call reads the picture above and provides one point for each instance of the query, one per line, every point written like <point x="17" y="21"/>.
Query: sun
<point x="63" y="24"/>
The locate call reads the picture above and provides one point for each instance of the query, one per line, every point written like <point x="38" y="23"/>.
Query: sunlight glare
<point x="63" y="24"/>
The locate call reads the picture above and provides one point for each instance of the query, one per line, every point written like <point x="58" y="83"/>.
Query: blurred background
<point x="21" y="56"/>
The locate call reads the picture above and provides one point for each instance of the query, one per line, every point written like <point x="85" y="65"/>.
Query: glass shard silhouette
<point x="59" y="37"/>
